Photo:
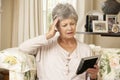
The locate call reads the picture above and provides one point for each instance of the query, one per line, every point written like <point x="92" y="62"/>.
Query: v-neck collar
<point x="66" y="53"/>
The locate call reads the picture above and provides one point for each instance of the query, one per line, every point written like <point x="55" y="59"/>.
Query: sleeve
<point x="32" y="45"/>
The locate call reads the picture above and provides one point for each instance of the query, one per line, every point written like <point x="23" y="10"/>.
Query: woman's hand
<point x="52" y="30"/>
<point x="93" y="72"/>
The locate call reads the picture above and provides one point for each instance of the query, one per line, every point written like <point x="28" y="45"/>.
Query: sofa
<point x="109" y="63"/>
<point x="22" y="66"/>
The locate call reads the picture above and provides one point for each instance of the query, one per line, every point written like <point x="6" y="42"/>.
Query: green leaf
<point x="118" y="53"/>
<point x="108" y="68"/>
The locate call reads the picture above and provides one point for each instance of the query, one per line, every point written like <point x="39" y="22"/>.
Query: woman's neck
<point x="68" y="44"/>
<point x="66" y="41"/>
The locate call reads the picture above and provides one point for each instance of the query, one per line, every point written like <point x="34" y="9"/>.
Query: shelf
<point x="102" y="34"/>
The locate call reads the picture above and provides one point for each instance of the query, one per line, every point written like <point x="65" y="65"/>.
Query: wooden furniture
<point x="5" y="74"/>
<point x="102" y="34"/>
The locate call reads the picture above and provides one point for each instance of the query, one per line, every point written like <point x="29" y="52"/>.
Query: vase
<point x="111" y="7"/>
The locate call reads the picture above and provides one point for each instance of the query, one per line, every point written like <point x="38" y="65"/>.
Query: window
<point x="47" y="7"/>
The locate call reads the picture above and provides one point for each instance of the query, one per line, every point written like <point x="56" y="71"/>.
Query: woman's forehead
<point x="67" y="20"/>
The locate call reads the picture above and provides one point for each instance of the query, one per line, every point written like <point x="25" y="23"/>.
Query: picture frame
<point x="89" y="19"/>
<point x="111" y="19"/>
<point x="100" y="26"/>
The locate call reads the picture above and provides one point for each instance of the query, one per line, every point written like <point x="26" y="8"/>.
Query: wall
<point x="6" y="23"/>
<point x="7" y="18"/>
<point x="0" y="24"/>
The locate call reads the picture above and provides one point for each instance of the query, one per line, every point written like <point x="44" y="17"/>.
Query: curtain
<point x="26" y="21"/>
<point x="83" y="8"/>
<point x="81" y="19"/>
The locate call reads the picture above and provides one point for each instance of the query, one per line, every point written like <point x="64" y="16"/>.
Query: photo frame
<point x="89" y="19"/>
<point x="100" y="26"/>
<point x="111" y="19"/>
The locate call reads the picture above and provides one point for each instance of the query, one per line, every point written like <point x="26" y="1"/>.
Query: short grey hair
<point x="64" y="11"/>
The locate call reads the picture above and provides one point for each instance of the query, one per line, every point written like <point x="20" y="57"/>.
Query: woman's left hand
<point x="93" y="72"/>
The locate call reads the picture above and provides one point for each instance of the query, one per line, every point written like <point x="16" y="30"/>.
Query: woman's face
<point x="67" y="28"/>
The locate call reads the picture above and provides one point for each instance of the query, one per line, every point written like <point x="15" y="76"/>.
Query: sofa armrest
<point x="20" y="65"/>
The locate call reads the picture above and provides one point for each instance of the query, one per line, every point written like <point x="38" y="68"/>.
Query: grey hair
<point x="64" y="11"/>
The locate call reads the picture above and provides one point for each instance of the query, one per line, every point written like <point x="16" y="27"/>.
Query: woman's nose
<point x="69" y="27"/>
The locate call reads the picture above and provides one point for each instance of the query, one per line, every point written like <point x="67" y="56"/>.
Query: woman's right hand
<point x="52" y="30"/>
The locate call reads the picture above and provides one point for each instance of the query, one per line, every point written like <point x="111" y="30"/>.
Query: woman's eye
<point x="64" y="25"/>
<point x="72" y="23"/>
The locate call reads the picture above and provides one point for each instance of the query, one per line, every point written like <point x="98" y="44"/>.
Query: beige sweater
<point x="53" y="62"/>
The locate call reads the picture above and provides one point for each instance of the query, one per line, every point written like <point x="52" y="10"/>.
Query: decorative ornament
<point x="115" y="28"/>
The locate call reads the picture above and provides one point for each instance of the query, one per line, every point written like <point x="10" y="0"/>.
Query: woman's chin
<point x="70" y="36"/>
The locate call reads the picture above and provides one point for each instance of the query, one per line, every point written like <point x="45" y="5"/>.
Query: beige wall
<point x="7" y="18"/>
<point x="6" y="23"/>
<point x="112" y="42"/>
<point x="0" y="24"/>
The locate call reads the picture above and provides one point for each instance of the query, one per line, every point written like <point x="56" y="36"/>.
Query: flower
<point x="11" y="60"/>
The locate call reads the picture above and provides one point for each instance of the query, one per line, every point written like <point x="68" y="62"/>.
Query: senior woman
<point x="58" y="56"/>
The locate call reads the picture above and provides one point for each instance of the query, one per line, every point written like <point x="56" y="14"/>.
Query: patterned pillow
<point x="110" y="64"/>
<point x="15" y="60"/>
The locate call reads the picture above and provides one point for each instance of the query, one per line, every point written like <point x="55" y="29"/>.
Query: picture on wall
<point x="100" y="26"/>
<point x="111" y="19"/>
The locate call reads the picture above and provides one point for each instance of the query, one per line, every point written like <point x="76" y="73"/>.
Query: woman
<point x="58" y="56"/>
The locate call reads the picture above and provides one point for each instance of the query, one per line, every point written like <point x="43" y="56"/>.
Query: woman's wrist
<point x="93" y="77"/>
<point x="48" y="36"/>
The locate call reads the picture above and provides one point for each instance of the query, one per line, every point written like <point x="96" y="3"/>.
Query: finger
<point x="92" y="70"/>
<point x="96" y="67"/>
<point x="55" y="21"/>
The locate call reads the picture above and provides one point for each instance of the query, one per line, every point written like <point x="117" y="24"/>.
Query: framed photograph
<point x="89" y="19"/>
<point x="111" y="19"/>
<point x="100" y="26"/>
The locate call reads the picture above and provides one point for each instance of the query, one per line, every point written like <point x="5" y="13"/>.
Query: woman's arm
<point x="31" y="45"/>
